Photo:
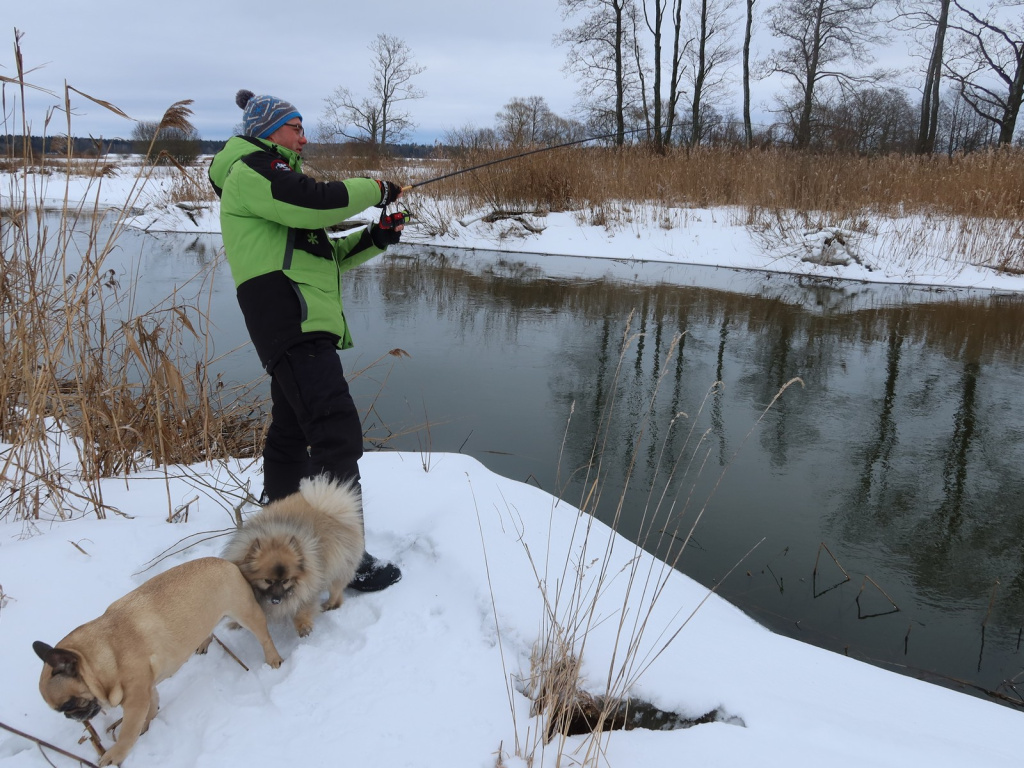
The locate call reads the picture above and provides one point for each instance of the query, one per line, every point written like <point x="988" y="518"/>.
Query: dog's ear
<point x="63" y="662"/>
<point x="42" y="650"/>
<point x="253" y="551"/>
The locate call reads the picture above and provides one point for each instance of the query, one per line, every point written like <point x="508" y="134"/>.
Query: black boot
<point x="374" y="575"/>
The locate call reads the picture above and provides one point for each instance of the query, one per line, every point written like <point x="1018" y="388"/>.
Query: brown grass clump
<point x="190" y="185"/>
<point x="131" y="390"/>
<point x="980" y="184"/>
<point x="90" y="387"/>
<point x="961" y="209"/>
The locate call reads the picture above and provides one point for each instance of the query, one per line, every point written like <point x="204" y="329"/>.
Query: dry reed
<point x="965" y="209"/>
<point x="91" y="388"/>
<point x="986" y="184"/>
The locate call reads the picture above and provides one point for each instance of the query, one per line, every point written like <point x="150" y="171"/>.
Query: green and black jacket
<point x="287" y="271"/>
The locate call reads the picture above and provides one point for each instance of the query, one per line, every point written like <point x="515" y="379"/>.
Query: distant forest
<point x="87" y="147"/>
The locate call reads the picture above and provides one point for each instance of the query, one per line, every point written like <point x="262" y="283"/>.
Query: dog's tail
<point x="341" y="500"/>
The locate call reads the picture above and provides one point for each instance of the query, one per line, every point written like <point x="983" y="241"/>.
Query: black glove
<point x="389" y="192"/>
<point x="388" y="230"/>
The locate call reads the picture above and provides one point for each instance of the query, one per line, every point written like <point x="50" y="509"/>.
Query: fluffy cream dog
<point x="297" y="547"/>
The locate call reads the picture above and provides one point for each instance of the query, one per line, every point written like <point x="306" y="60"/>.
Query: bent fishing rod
<point x="516" y="157"/>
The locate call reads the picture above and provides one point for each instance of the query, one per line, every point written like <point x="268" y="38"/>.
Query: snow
<point x="434" y="671"/>
<point x="909" y="249"/>
<point x="430" y="672"/>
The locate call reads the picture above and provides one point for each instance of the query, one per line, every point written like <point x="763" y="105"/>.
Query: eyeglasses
<point x="298" y="128"/>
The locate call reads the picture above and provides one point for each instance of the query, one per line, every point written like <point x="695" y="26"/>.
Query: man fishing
<point x="287" y="275"/>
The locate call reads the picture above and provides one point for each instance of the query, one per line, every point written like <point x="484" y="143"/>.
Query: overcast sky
<point x="143" y="57"/>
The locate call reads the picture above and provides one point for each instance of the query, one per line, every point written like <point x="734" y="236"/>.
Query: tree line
<point x="664" y="72"/>
<point x="667" y="67"/>
<point x="14" y="146"/>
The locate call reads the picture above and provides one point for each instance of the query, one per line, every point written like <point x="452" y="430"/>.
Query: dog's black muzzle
<point x="277" y="593"/>
<point x="80" y="709"/>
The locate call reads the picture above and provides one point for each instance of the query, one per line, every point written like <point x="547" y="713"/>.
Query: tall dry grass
<point x="988" y="184"/>
<point x="967" y="208"/>
<point x="93" y="386"/>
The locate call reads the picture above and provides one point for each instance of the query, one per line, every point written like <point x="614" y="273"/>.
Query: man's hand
<point x="388" y="230"/>
<point x="389" y="193"/>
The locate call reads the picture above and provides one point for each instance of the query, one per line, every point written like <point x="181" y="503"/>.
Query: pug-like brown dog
<point x="143" y="638"/>
<point x="298" y="547"/>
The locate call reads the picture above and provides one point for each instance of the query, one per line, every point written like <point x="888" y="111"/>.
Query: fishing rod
<point x="516" y="157"/>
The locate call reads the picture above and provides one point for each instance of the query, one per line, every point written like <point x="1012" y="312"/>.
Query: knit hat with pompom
<point x="263" y="114"/>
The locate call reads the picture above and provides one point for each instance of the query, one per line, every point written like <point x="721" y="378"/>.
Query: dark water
<point x="883" y="491"/>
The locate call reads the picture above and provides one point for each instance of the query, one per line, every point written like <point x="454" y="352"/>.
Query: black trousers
<point x="315" y="427"/>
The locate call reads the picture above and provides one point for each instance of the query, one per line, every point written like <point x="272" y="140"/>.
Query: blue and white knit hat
<point x="263" y="114"/>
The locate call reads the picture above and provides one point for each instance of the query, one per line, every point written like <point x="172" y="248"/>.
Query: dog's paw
<point x="331" y="604"/>
<point x="303" y="624"/>
<point x="303" y="620"/>
<point x="113" y="756"/>
<point x="205" y="646"/>
<point x="275" y="661"/>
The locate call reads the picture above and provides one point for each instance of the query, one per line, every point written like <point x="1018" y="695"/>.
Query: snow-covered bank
<point x="430" y="672"/>
<point x="698" y="236"/>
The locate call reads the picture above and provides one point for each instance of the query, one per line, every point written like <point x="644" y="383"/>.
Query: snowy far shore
<point x="900" y="250"/>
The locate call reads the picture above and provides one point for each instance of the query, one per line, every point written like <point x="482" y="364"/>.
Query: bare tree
<point x="678" y="50"/>
<point x="471" y="138"/>
<point x="748" y="29"/>
<point x="961" y="129"/>
<point x="818" y="37"/>
<point x="640" y="111"/>
<point x="927" y="21"/>
<point x="988" y="67"/>
<point x="660" y="106"/>
<point x="868" y="120"/>
<point x="377" y="119"/>
<point x="599" y="48"/>
<point x="525" y="122"/>
<point x="630" y="58"/>
<point x="715" y="128"/>
<point x="709" y="27"/>
<point x="157" y="140"/>
<point x="654" y="17"/>
<point x="565" y="129"/>
<point x="350" y="118"/>
<point x="529" y="122"/>
<point x="933" y="79"/>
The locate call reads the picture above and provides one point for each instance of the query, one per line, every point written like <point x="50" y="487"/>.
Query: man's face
<point x="290" y="135"/>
